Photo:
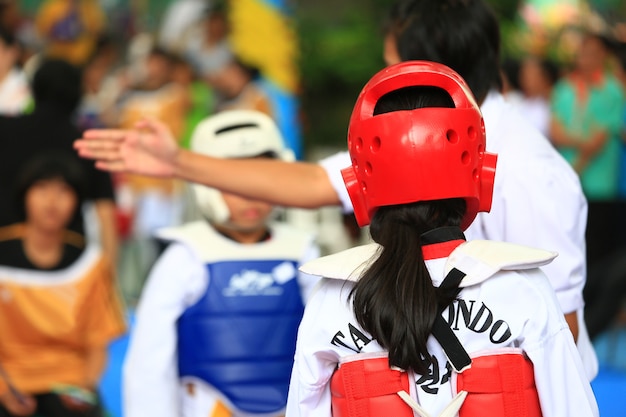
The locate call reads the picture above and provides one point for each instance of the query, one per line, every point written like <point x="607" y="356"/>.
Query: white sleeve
<point x="150" y="371"/>
<point x="539" y="203"/>
<point x="308" y="282"/>
<point x="315" y="360"/>
<point x="562" y="384"/>
<point x="333" y="166"/>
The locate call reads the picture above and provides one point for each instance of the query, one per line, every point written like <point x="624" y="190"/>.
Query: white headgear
<point x="233" y="134"/>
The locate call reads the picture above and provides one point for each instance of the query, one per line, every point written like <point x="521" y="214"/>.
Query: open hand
<point x="148" y="149"/>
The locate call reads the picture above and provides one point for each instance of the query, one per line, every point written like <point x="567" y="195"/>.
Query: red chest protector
<point x="502" y="383"/>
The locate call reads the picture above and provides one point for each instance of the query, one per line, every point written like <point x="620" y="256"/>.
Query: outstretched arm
<point x="150" y="149"/>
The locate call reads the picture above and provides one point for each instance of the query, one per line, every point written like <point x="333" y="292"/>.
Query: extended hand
<point x="148" y="149"/>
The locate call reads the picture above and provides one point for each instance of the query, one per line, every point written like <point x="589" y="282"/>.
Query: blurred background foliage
<point x="340" y="43"/>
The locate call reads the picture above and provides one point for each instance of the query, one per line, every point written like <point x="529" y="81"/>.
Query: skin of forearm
<point x="291" y="184"/>
<point x="596" y="143"/>
<point x="572" y="322"/>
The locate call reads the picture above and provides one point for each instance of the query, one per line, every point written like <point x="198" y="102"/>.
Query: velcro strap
<point x="455" y="352"/>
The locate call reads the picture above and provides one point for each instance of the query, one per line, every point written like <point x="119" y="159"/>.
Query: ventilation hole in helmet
<point x="375" y="145"/>
<point x="471" y="132"/>
<point x="364" y="186"/>
<point x="368" y="168"/>
<point x="355" y="164"/>
<point x="465" y="158"/>
<point x="482" y="124"/>
<point x="481" y="148"/>
<point x="475" y="175"/>
<point x="452" y="136"/>
<point x="359" y="144"/>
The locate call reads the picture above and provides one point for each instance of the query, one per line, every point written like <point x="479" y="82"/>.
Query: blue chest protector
<point x="240" y="337"/>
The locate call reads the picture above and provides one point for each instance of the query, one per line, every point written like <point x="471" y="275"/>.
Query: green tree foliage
<point x="341" y="48"/>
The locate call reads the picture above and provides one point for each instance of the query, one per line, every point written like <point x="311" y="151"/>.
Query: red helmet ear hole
<point x="452" y="136"/>
<point x="368" y="168"/>
<point x="471" y="132"/>
<point x="465" y="158"/>
<point x="359" y="144"/>
<point x="375" y="145"/>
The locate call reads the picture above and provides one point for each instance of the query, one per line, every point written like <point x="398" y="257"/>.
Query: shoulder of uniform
<point x="184" y="232"/>
<point x="481" y="259"/>
<point x="345" y="265"/>
<point x="11" y="232"/>
<point x="288" y="231"/>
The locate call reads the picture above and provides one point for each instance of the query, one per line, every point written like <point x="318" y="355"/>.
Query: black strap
<point x="456" y="353"/>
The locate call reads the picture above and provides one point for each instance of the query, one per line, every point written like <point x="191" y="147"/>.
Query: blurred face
<point x="229" y="80"/>
<point x="50" y="204"/>
<point x="532" y="79"/>
<point x="246" y="215"/>
<point x="216" y="27"/>
<point x="158" y="71"/>
<point x="591" y="56"/>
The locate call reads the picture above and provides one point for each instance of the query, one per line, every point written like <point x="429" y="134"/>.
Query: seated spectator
<point x="206" y="44"/>
<point x="57" y="91"/>
<point x="59" y="308"/>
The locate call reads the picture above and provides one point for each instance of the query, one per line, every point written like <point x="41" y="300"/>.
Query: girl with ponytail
<point x="421" y="322"/>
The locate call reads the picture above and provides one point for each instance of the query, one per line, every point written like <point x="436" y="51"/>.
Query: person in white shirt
<point x="538" y="200"/>
<point x="15" y="93"/>
<point x="422" y="322"/>
<point x="216" y="323"/>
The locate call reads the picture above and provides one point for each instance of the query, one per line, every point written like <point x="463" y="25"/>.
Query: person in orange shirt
<point x="59" y="307"/>
<point x="70" y="28"/>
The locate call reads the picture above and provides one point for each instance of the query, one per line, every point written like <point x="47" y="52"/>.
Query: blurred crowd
<point x="179" y="75"/>
<point x="579" y="107"/>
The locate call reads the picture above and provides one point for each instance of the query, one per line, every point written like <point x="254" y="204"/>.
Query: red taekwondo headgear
<point x="424" y="154"/>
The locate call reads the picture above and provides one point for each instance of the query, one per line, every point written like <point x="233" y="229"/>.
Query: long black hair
<point x="395" y="300"/>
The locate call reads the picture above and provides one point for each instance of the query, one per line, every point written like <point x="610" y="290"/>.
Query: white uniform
<point x="14" y="93"/>
<point x="537" y="201"/>
<point x="513" y="309"/>
<point x="151" y="384"/>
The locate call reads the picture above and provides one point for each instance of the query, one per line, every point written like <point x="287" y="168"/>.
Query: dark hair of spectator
<point x="462" y="34"/>
<point x="49" y="166"/>
<point x="57" y="83"/>
<point x="7" y="37"/>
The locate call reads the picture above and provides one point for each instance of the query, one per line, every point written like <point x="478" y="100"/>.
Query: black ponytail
<point x="395" y="300"/>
